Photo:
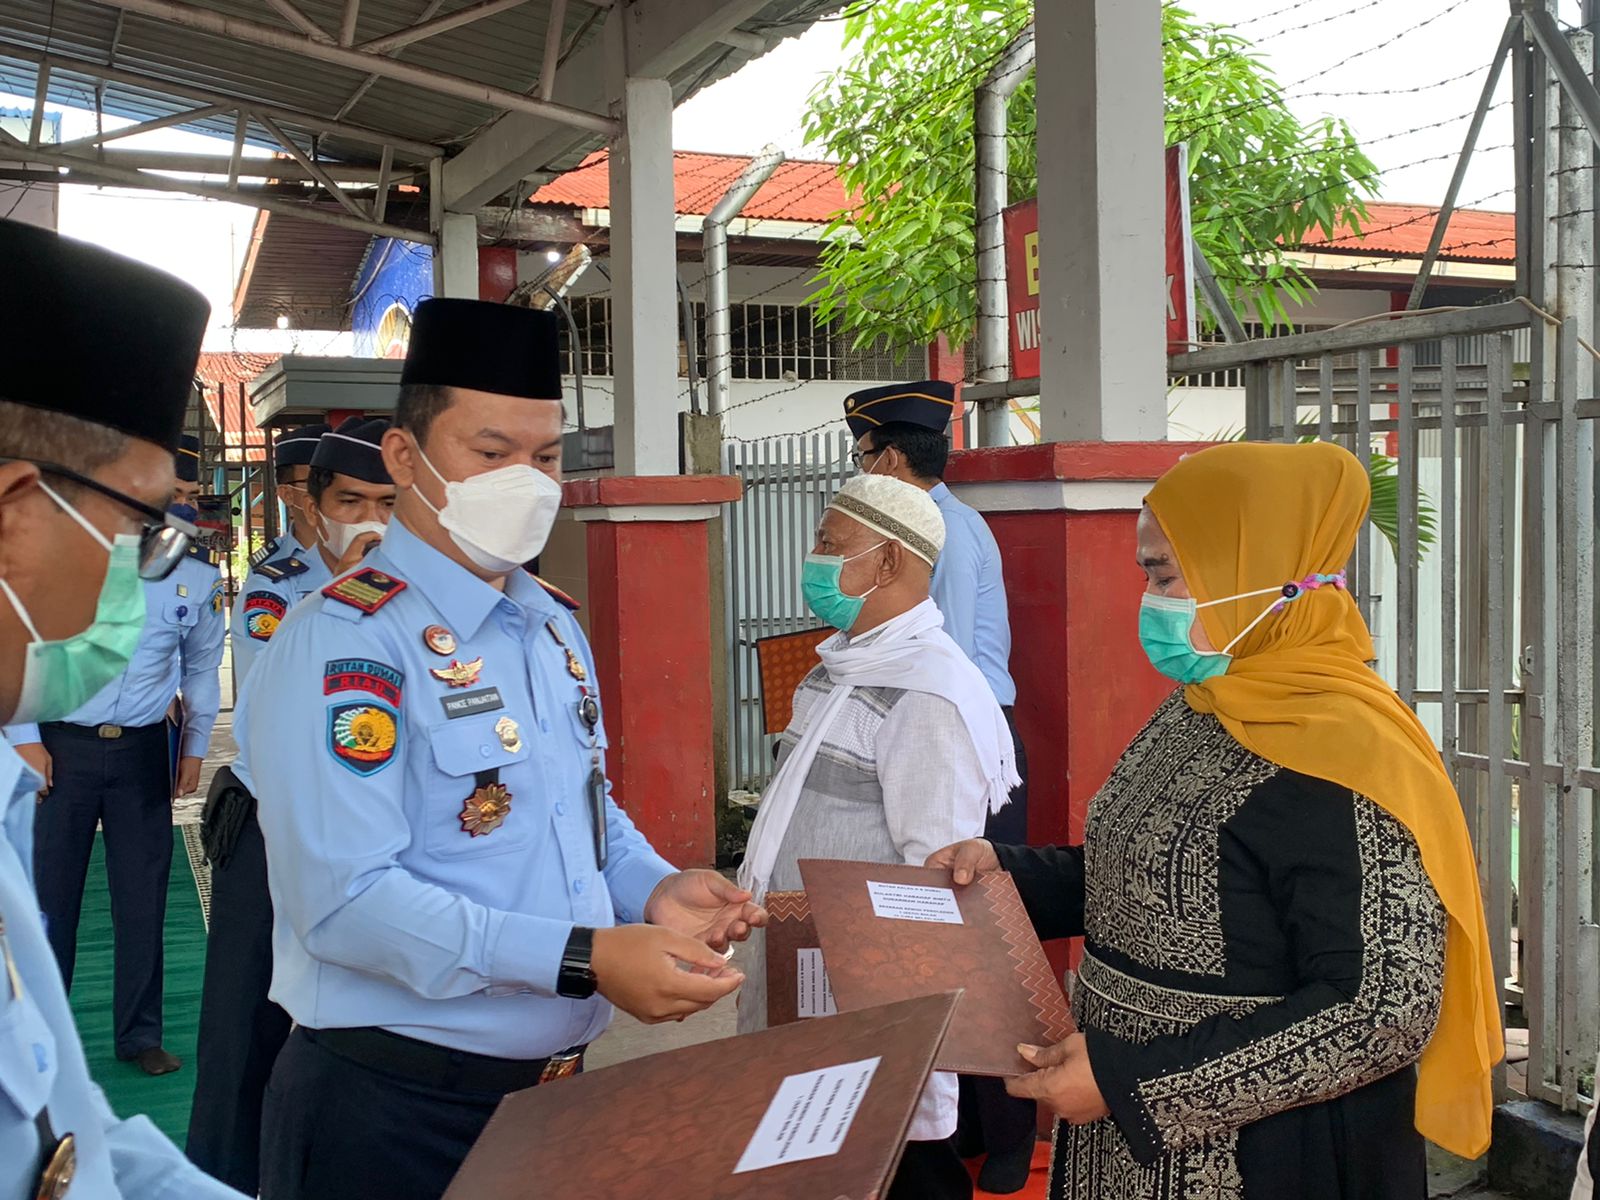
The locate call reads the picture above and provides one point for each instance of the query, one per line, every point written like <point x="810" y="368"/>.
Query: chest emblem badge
<point x="439" y="639"/>
<point x="485" y="810"/>
<point x="509" y="734"/>
<point x="458" y="674"/>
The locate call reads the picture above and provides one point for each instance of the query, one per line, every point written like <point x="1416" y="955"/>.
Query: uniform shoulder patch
<point x="556" y="594"/>
<point x="362" y="675"/>
<point x="260" y="556"/>
<point x="363" y="737"/>
<point x="202" y="552"/>
<point x="286" y="568"/>
<point x="262" y="612"/>
<point x="367" y="589"/>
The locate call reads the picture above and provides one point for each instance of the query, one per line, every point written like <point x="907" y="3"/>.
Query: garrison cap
<point x="927" y="402"/>
<point x="485" y="347"/>
<point x="352" y="449"/>
<point x="91" y="334"/>
<point x="296" y="446"/>
<point x="188" y="458"/>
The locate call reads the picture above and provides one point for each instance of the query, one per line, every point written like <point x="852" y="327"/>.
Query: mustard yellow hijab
<point x="1299" y="693"/>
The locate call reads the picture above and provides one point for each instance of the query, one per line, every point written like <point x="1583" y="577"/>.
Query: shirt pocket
<point x="27" y="1053"/>
<point x="183" y="611"/>
<point x="462" y="750"/>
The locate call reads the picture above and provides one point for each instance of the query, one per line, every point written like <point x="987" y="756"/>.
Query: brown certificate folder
<point x="791" y="940"/>
<point x="675" y="1126"/>
<point x="1011" y="994"/>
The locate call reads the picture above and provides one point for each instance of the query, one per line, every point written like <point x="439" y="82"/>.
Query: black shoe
<point x="153" y="1060"/>
<point x="1007" y="1171"/>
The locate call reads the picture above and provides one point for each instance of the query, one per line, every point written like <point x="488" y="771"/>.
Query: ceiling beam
<point x="88" y="170"/>
<point x="253" y="33"/>
<point x="663" y="36"/>
<point x="111" y="135"/>
<point x="291" y="14"/>
<point x="420" y="151"/>
<point x="347" y="27"/>
<point x="428" y="29"/>
<point x="366" y="84"/>
<point x="220" y="165"/>
<point x="315" y="170"/>
<point x="554" y="31"/>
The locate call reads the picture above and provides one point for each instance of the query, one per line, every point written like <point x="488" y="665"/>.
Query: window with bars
<point x="775" y="342"/>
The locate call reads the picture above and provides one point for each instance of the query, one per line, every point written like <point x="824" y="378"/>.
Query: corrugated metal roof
<point x="223" y="375"/>
<point x="799" y="190"/>
<point x="504" y="51"/>
<point x="1403" y="230"/>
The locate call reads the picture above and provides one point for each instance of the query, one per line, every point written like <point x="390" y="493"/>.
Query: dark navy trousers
<point x="124" y="785"/>
<point x="241" y="1031"/>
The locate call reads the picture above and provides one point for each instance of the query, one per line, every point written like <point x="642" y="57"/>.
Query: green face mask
<point x="827" y="600"/>
<point x="60" y="677"/>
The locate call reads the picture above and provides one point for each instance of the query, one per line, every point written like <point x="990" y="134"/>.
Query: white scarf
<point x="912" y="652"/>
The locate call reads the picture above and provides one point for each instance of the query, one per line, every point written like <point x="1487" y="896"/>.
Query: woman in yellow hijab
<point x="1287" y="982"/>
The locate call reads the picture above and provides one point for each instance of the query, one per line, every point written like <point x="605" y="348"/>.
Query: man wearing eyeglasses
<point x="108" y="767"/>
<point x="97" y="359"/>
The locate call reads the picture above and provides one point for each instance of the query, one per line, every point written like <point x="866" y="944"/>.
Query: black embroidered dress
<point x="1263" y="967"/>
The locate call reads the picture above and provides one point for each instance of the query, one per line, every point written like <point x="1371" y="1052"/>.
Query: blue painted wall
<point x="394" y="278"/>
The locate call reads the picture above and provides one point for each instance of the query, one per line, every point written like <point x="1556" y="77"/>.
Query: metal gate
<point x="787" y="483"/>
<point x="1503" y="452"/>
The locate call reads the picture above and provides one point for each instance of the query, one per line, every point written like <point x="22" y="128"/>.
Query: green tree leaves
<point x="899" y="115"/>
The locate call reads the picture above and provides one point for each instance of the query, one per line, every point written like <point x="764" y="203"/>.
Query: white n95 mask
<point x="338" y="535"/>
<point x="499" y="519"/>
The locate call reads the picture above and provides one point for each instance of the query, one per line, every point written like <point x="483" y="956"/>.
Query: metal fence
<point x="787" y="484"/>
<point x="1503" y="455"/>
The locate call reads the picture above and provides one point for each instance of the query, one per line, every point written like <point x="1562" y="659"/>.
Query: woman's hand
<point x="966" y="859"/>
<point x="1063" y="1081"/>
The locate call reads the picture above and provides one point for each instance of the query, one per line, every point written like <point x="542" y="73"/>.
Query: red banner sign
<point x="1022" y="271"/>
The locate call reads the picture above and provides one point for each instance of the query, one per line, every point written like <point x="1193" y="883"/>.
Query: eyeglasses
<point x="164" y="538"/>
<point x="858" y="457"/>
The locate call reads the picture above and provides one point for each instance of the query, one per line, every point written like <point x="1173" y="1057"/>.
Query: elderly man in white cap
<point x="897" y="744"/>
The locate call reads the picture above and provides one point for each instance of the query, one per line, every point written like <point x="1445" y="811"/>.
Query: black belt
<point x="103" y="732"/>
<point x="439" y="1066"/>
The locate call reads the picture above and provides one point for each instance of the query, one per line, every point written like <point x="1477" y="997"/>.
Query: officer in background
<point x="292" y="567"/>
<point x="107" y="765"/>
<point x="241" y="1029"/>
<point x="900" y="430"/>
<point x="447" y="866"/>
<point x="88" y="425"/>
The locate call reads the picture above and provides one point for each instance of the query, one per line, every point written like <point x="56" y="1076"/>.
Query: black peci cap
<point x="94" y="335"/>
<point x="352" y="449"/>
<point x="188" y="458"/>
<point x="486" y="347"/>
<point x="927" y="402"/>
<point x="296" y="446"/>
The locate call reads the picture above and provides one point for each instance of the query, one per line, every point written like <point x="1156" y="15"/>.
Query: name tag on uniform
<point x="468" y="703"/>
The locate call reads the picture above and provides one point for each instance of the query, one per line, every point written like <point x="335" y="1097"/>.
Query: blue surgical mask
<point x="824" y="595"/>
<point x="187" y="512"/>
<point x="1166" y="626"/>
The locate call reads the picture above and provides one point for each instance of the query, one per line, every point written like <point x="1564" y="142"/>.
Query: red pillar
<point x="497" y="272"/>
<point x="947" y="363"/>
<point x="650" y="627"/>
<point x="1064" y="516"/>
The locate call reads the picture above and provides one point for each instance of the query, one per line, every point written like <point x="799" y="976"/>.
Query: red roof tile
<point x="224" y="374"/>
<point x="1403" y="230"/>
<point x="798" y="190"/>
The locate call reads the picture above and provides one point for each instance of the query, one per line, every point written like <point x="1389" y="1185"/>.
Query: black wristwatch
<point x="576" y="979"/>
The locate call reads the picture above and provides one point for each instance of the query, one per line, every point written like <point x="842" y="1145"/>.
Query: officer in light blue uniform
<point x="447" y="867"/>
<point x="87" y="430"/>
<point x="241" y="1029"/>
<point x="110" y="768"/>
<point x="288" y="568"/>
<point x="900" y="430"/>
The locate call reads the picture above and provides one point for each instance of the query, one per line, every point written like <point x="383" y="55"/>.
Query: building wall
<point x="394" y="278"/>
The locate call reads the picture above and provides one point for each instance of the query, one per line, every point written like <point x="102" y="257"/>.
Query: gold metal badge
<point x="509" y="734"/>
<point x="458" y="674"/>
<point x="57" y="1175"/>
<point x="486" y="810"/>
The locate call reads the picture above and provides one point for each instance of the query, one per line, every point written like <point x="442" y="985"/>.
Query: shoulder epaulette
<point x="556" y="594"/>
<point x="202" y="552"/>
<point x="266" y="552"/>
<point x="367" y="589"/>
<point x="286" y="569"/>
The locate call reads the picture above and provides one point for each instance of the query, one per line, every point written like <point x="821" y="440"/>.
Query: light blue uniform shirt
<point x="269" y="592"/>
<point x="386" y="911"/>
<point x="971" y="592"/>
<point x="41" y="1059"/>
<point x="179" y="652"/>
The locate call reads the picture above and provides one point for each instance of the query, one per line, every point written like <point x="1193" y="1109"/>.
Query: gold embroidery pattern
<point x="1336" y="1050"/>
<point x="1150" y="859"/>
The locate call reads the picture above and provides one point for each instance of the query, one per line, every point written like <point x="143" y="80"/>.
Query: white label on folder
<point x="811" y="979"/>
<point x="809" y="1117"/>
<point x="909" y="902"/>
